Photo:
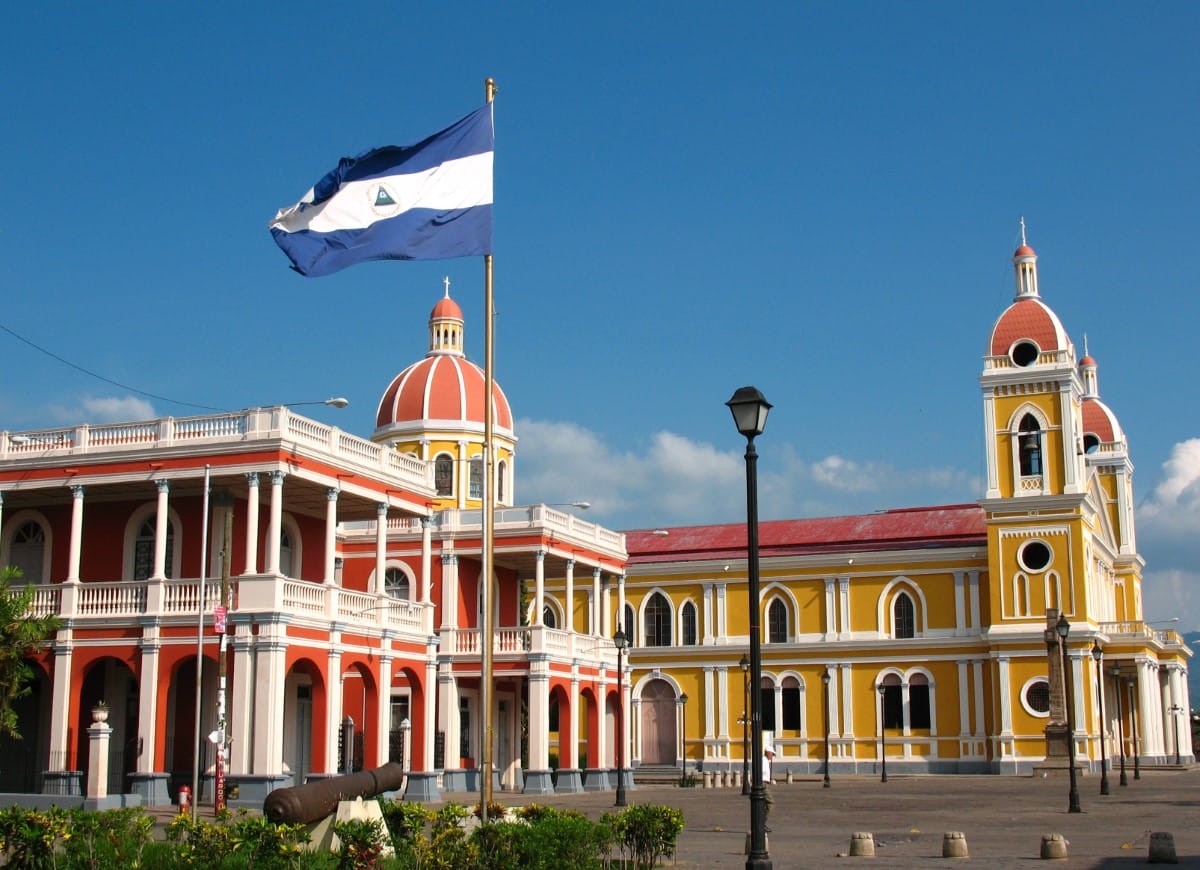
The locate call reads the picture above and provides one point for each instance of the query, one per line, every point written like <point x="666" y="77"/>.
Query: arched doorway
<point x="658" y="723"/>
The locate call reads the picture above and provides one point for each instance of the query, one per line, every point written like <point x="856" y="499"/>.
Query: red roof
<point x="446" y="308"/>
<point x="1099" y="421"/>
<point x="1028" y="318"/>
<point x="1024" y="251"/>
<point x="903" y="529"/>
<point x="440" y="387"/>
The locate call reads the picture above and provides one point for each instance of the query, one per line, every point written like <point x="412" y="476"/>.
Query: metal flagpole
<point x="197" y="743"/>
<point x="486" y="578"/>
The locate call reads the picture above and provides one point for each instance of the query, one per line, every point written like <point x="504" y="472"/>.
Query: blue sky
<point x="819" y="200"/>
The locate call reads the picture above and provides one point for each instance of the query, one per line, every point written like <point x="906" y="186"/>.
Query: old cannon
<point x="313" y="801"/>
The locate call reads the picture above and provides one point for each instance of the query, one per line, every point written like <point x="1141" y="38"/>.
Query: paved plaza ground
<point x="1003" y="819"/>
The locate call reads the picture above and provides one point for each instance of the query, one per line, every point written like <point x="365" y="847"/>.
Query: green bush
<point x="29" y="839"/>
<point x="646" y="833"/>
<point x="362" y="843"/>
<point x="110" y="838"/>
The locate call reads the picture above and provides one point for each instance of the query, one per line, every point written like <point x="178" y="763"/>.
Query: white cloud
<point x="676" y="480"/>
<point x="103" y="409"/>
<point x="1167" y="522"/>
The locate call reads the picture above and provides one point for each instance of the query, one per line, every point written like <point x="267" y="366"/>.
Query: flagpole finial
<point x="446" y="281"/>
<point x="1023" y="229"/>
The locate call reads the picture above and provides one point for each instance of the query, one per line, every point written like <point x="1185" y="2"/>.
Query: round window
<point x="1034" y="556"/>
<point x="1025" y="353"/>
<point x="1037" y="697"/>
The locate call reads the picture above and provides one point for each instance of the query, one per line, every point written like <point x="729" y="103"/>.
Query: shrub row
<point x="527" y="838"/>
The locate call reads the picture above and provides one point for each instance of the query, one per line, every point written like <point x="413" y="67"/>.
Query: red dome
<point x="1087" y="360"/>
<point x="445" y="388"/>
<point x="1098" y="420"/>
<point x="446" y="308"/>
<point x="1028" y="318"/>
<point x="1024" y="251"/>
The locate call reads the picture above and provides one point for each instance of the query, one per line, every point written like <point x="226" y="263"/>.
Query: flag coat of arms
<point x="428" y="201"/>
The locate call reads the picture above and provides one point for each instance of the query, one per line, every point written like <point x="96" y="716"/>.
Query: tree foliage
<point x="20" y="634"/>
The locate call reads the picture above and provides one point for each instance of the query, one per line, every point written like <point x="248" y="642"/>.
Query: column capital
<point x="596" y="573"/>
<point x="570" y="564"/>
<point x="332" y="493"/>
<point x="77" y="490"/>
<point x="277" y="477"/>
<point x="252" y="479"/>
<point x="449" y="559"/>
<point x="163" y="484"/>
<point x="381" y="509"/>
<point x="540" y="555"/>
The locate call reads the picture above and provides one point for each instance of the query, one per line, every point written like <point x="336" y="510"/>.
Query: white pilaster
<point x="61" y="691"/>
<point x="594" y="624"/>
<point x="621" y="607"/>
<point x="76" y="535"/>
<point x="270" y="662"/>
<point x="539" y="716"/>
<point x="383" y="726"/>
<point x="252" y="522"/>
<point x="331" y="500"/>
<point x="710" y="712"/>
<point x="381" y="511"/>
<point x="148" y="682"/>
<point x="449" y="591"/>
<point x="333" y="709"/>
<point x="539" y="591"/>
<point x="161" y="521"/>
<point x="570" y="596"/>
<point x="431" y="705"/>
<point x="426" y="560"/>
<point x="707" y="634"/>
<point x="275" y="526"/>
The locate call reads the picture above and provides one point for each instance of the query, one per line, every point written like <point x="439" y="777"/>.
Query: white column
<point x="275" y="526"/>
<point x="448" y="702"/>
<point x="241" y="703"/>
<point x="832" y="700"/>
<point x="160" y="531"/>
<point x="621" y="606"/>
<point x="252" y="522"/>
<point x="830" y="608"/>
<point x="573" y="732"/>
<point x="1005" y="694"/>
<point x="606" y="629"/>
<point x="594" y="628"/>
<point x="426" y="561"/>
<point x="384" y="724"/>
<point x="148" y="684"/>
<point x="539" y="716"/>
<point x="722" y="591"/>
<point x="960" y="603"/>
<point x="847" y="706"/>
<point x="381" y="510"/>
<point x="462" y="486"/>
<point x="331" y="500"/>
<point x="449" y="591"/>
<point x="973" y="580"/>
<point x="61" y="691"/>
<point x="539" y="591"/>
<point x="76" y="535"/>
<point x="978" y="693"/>
<point x="710" y="711"/>
<point x="333" y="708"/>
<point x="844" y="606"/>
<point x="269" y="671"/>
<point x="570" y="594"/>
<point x="709" y="622"/>
<point x="964" y="699"/>
<point x="721" y="700"/>
<point x="431" y="706"/>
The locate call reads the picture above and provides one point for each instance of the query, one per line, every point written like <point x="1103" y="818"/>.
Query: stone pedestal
<point x="539" y="782"/>
<point x="153" y="788"/>
<point x="568" y="782"/>
<point x="596" y="779"/>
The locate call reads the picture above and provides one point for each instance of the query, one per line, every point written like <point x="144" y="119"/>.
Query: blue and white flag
<point x="428" y="201"/>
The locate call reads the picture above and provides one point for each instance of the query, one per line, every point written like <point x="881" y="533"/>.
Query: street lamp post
<point x="1175" y="710"/>
<point x="882" y="732"/>
<point x="683" y="699"/>
<point x="1097" y="655"/>
<point x="1063" y="628"/>
<point x="745" y="666"/>
<point x="1137" y="738"/>
<point x="825" y="683"/>
<point x="1119" y="683"/>
<point x="749" y="408"/>
<point x="621" y="642"/>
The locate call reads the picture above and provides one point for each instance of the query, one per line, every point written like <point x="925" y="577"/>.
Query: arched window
<point x="1030" y="446"/>
<point x="396" y="585"/>
<point x="687" y="624"/>
<point x="287" y="554"/>
<point x="892" y="703"/>
<point x="476" y="490"/>
<point x="28" y="551"/>
<point x="658" y="620"/>
<point x="443" y="475"/>
<point x="777" y="621"/>
<point x="143" y="550"/>
<point x="766" y="704"/>
<point x="501" y="473"/>
<point x="918" y="702"/>
<point x="793" y="715"/>
<point x="549" y="617"/>
<point x="630" y="623"/>
<point x="904" y="623"/>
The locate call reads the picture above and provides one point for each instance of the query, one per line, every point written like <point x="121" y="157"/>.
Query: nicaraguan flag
<point x="428" y="201"/>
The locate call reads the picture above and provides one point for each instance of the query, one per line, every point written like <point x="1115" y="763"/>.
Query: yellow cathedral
<point x="928" y="636"/>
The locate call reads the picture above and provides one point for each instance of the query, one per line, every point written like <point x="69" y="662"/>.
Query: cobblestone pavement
<point x="1002" y="818"/>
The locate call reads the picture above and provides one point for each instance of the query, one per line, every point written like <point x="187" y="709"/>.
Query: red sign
<point x="219" y="619"/>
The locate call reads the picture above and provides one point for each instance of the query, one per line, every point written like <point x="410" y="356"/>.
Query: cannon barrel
<point x="313" y="801"/>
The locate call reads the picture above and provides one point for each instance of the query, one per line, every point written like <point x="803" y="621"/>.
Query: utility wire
<point x="98" y="377"/>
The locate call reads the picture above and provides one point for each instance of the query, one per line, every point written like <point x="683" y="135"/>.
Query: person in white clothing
<point x="768" y="755"/>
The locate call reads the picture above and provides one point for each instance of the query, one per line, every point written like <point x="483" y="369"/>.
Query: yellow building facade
<point x="926" y="634"/>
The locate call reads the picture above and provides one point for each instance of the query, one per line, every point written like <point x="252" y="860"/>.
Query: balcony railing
<point x="1137" y="628"/>
<point x="250" y="425"/>
<point x="515" y="642"/>
<point x="129" y="601"/>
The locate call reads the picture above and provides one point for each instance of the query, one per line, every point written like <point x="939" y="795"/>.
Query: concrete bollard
<point x="1054" y="846"/>
<point x="954" y="845"/>
<point x="736" y="782"/>
<point x="1162" y="848"/>
<point x="862" y="845"/>
<point x="789" y="779"/>
<point x="723" y="779"/>
<point x="708" y="779"/>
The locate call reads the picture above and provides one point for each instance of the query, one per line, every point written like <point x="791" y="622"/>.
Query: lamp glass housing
<point x="1097" y="653"/>
<point x="749" y="408"/>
